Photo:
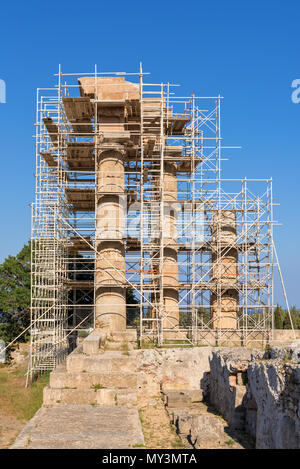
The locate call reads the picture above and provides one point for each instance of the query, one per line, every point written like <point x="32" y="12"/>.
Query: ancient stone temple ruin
<point x="133" y="226"/>
<point x="144" y="259"/>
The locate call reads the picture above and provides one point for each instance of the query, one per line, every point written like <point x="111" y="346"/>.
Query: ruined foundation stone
<point x="258" y="393"/>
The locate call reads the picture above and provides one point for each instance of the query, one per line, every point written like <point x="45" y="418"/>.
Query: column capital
<point x="110" y="147"/>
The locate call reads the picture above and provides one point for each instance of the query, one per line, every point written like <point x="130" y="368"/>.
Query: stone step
<point x="81" y="427"/>
<point x="121" y="346"/>
<point x="182" y="398"/>
<point x="60" y="378"/>
<point x="205" y="430"/>
<point x="130" y="335"/>
<point x="108" y="397"/>
<point x="175" y="413"/>
<point x="92" y="343"/>
<point x="100" y="363"/>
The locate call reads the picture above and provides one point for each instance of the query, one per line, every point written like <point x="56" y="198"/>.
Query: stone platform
<point x="68" y="426"/>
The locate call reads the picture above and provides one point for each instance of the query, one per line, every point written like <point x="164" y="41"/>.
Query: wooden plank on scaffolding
<point x="80" y="284"/>
<point x="79" y="244"/>
<point x="80" y="156"/>
<point x="81" y="199"/>
<point x="176" y="124"/>
<point x="82" y="127"/>
<point x="78" y="108"/>
<point x="49" y="158"/>
<point x="52" y="129"/>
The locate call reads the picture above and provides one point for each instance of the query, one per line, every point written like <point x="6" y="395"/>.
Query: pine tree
<point x="279" y="317"/>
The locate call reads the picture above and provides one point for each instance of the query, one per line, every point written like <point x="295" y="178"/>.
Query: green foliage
<point x="279" y="315"/>
<point x="282" y="320"/>
<point x="15" y="295"/>
<point x="251" y="319"/>
<point x="97" y="386"/>
<point x="185" y="318"/>
<point x="132" y="312"/>
<point x="229" y="442"/>
<point x="203" y="316"/>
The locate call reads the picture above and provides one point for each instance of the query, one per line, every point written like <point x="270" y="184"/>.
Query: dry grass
<point x="17" y="400"/>
<point x="17" y="403"/>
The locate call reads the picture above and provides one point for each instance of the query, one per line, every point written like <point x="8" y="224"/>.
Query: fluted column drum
<point x="170" y="264"/>
<point x="110" y="292"/>
<point x="224" y="273"/>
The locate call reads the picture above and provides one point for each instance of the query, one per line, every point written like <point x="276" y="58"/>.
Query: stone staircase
<point x="93" y="395"/>
<point x="100" y="372"/>
<point x="198" y="425"/>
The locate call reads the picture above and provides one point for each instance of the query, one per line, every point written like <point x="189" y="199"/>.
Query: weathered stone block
<point x="174" y="383"/>
<point x="206" y="431"/>
<point x="130" y="335"/>
<point x="275" y="389"/>
<point x="182" y="398"/>
<point x="61" y="379"/>
<point x="98" y="364"/>
<point x="178" y="368"/>
<point x="91" y="344"/>
<point x="105" y="397"/>
<point x="54" y="396"/>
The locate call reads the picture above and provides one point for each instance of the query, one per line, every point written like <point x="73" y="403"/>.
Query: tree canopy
<point x="15" y="295"/>
<point x="282" y="320"/>
<point x="132" y="312"/>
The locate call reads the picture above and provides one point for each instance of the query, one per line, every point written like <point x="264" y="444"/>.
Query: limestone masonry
<point x="92" y="400"/>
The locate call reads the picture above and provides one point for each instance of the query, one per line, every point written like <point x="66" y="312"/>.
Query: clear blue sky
<point x="246" y="51"/>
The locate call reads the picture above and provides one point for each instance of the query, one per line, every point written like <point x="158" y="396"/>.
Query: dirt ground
<point x="10" y="427"/>
<point x="159" y="433"/>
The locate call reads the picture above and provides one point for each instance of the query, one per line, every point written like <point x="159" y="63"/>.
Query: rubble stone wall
<point x="259" y="393"/>
<point x="274" y="389"/>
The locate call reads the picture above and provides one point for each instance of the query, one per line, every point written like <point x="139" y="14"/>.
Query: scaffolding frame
<point x="184" y="131"/>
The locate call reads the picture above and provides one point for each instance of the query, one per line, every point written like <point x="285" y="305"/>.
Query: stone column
<point x="224" y="297"/>
<point x="170" y="265"/>
<point x="110" y="292"/>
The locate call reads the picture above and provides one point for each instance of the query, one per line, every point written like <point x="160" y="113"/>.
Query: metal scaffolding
<point x="198" y="248"/>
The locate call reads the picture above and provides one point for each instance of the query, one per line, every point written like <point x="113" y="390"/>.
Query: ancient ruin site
<point x="152" y="277"/>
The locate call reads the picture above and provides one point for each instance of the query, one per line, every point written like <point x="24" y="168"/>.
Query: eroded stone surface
<point x="227" y="382"/>
<point x="274" y="386"/>
<point x="178" y="368"/>
<point x="81" y="427"/>
<point x="259" y="394"/>
<point x="200" y="427"/>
